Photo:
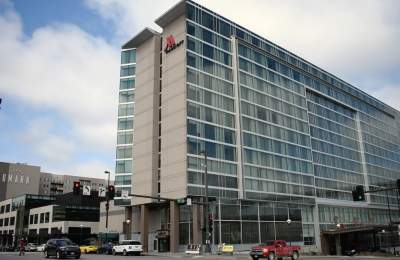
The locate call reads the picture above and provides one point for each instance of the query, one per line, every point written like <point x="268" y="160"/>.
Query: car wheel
<point x="295" y="255"/>
<point x="46" y="254"/>
<point x="124" y="252"/>
<point x="85" y="251"/>
<point x="113" y="252"/>
<point x="271" y="256"/>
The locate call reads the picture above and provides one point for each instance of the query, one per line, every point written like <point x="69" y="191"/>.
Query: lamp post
<point x="381" y="238"/>
<point x="107" y="204"/>
<point x="206" y="211"/>
<point x="340" y="243"/>
<point x="80" y="235"/>
<point x="128" y="233"/>
<point x="289" y="221"/>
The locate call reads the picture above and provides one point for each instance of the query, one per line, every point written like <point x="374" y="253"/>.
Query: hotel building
<point x="284" y="139"/>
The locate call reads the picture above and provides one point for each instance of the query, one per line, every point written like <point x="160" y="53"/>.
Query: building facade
<point x="56" y="221"/>
<point x="283" y="138"/>
<point x="17" y="179"/>
<point x="56" y="184"/>
<point x="7" y="222"/>
<point x="39" y="217"/>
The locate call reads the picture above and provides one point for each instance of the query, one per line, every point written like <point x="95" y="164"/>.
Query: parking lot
<point x="37" y="256"/>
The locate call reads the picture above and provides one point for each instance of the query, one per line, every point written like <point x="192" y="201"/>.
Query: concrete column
<point x="324" y="245"/>
<point x="197" y="234"/>
<point x="317" y="230"/>
<point x="174" y="226"/>
<point x="144" y="226"/>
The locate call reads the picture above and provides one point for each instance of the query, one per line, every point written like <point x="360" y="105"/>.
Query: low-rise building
<point x="7" y="222"/>
<point x="76" y="222"/>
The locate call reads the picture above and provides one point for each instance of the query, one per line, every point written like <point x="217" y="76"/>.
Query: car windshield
<point x="64" y="243"/>
<point x="130" y="243"/>
<point x="269" y="243"/>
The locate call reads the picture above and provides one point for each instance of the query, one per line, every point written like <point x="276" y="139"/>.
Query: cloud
<point x="66" y="81"/>
<point x="40" y="138"/>
<point x="65" y="69"/>
<point x="329" y="33"/>
<point x="355" y="40"/>
<point x="92" y="168"/>
<point x="130" y="17"/>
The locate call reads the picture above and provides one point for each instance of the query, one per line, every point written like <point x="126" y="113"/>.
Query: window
<point x="126" y="96"/>
<point x="125" y="123"/>
<point x="6" y="222"/>
<point x="128" y="56"/>
<point x="1" y="222"/>
<point x="126" y="84"/>
<point x="230" y="232"/>
<point x="127" y="71"/>
<point x="31" y="219"/>
<point x="123" y="180"/>
<point x="12" y="221"/>
<point x="123" y="166"/>
<point x="125" y="110"/>
<point x="249" y="232"/>
<point x="124" y="152"/>
<point x="125" y="137"/>
<point x="41" y="217"/>
<point x="36" y="219"/>
<point x="2" y="209"/>
<point x="8" y="208"/>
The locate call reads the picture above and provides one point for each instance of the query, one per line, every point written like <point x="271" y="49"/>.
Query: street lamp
<point x="338" y="226"/>
<point x="206" y="211"/>
<point x="289" y="221"/>
<point x="107" y="204"/>
<point x="80" y="235"/>
<point x="128" y="222"/>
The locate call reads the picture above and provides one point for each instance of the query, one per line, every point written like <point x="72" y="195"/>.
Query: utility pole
<point x="107" y="204"/>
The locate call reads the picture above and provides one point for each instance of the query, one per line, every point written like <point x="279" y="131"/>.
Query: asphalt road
<point x="39" y="256"/>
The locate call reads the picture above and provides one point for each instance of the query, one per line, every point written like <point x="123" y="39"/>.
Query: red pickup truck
<point x="275" y="250"/>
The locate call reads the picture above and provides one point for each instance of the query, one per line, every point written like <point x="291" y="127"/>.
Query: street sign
<point x="86" y="190"/>
<point x="102" y="191"/>
<point x="124" y="194"/>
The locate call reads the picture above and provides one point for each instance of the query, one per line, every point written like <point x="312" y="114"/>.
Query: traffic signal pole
<point x="107" y="204"/>
<point x="208" y="234"/>
<point x="386" y="190"/>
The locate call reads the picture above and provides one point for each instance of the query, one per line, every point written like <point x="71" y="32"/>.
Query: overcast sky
<point x="59" y="64"/>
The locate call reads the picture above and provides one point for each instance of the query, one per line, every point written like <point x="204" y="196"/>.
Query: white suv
<point x="127" y="247"/>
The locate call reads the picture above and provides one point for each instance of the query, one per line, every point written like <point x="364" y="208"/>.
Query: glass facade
<point x="124" y="157"/>
<point x="277" y="128"/>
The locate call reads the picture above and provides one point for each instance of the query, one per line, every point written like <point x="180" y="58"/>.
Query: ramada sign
<point x="171" y="45"/>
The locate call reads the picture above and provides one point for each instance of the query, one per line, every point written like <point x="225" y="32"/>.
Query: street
<point x="39" y="256"/>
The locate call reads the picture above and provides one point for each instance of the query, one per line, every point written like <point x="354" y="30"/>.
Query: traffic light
<point x="77" y="187"/>
<point x="210" y="223"/>
<point x="111" y="192"/>
<point x="181" y="201"/>
<point x="358" y="193"/>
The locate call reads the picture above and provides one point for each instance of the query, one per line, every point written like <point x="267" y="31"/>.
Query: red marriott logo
<point x="171" y="44"/>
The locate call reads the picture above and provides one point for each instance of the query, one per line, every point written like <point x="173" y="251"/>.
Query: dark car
<point x="62" y="248"/>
